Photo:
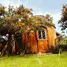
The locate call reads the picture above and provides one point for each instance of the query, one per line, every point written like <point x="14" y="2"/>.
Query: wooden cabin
<point x="41" y="41"/>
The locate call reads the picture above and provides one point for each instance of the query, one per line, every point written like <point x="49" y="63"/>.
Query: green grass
<point x="47" y="60"/>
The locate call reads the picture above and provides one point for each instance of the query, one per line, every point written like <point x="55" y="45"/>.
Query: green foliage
<point x="13" y="20"/>
<point x="63" y="20"/>
<point x="43" y="20"/>
<point x="63" y="41"/>
<point x="16" y="20"/>
<point x="2" y="10"/>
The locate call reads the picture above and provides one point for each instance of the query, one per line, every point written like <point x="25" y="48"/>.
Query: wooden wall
<point x="32" y="44"/>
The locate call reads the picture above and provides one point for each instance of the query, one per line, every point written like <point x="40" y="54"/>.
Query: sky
<point x="41" y="7"/>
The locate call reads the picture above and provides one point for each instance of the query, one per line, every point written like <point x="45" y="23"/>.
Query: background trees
<point x="63" y="24"/>
<point x="14" y="19"/>
<point x="63" y="20"/>
<point x="19" y="19"/>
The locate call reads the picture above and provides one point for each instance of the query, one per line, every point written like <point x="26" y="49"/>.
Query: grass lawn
<point x="47" y="60"/>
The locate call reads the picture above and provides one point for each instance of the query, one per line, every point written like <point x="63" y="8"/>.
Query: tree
<point x="63" y="20"/>
<point x="20" y="19"/>
<point x="14" y="20"/>
<point x="63" y="41"/>
<point x="43" y="20"/>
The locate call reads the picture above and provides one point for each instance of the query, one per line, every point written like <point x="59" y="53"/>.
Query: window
<point x="41" y="34"/>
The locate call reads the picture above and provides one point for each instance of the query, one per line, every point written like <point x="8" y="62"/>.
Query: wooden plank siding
<point x="32" y="44"/>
